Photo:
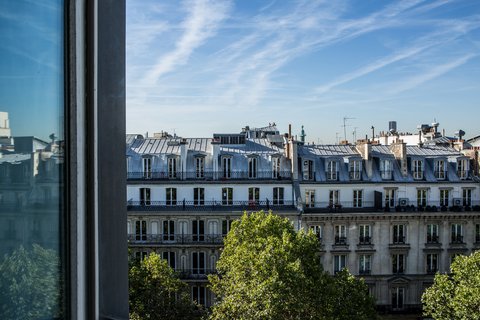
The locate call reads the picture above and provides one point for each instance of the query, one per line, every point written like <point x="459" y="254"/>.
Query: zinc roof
<point x="327" y="150"/>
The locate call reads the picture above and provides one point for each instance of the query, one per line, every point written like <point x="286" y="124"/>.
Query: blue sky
<point x="31" y="66"/>
<point x="198" y="67"/>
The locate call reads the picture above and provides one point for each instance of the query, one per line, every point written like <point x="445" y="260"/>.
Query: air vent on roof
<point x="173" y="143"/>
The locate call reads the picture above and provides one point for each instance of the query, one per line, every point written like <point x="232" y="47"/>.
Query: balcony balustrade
<point x="432" y="270"/>
<point x="210" y="175"/>
<point x="398" y="239"/>
<point x="456" y="239"/>
<point x="342" y="206"/>
<point x="194" y="273"/>
<point x="169" y="239"/>
<point x="432" y="239"/>
<point x="364" y="272"/>
<point x="209" y="205"/>
<point x="365" y="240"/>
<point x="340" y="240"/>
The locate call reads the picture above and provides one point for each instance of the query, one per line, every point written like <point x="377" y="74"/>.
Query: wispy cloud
<point x="430" y="74"/>
<point x="214" y="57"/>
<point x="202" y="22"/>
<point x="449" y="32"/>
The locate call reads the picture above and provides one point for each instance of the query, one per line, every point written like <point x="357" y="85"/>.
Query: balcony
<point x="156" y="206"/>
<point x="340" y="241"/>
<point x="364" y="272"/>
<point x="208" y="175"/>
<point x="432" y="270"/>
<point x="170" y="239"/>
<point x="432" y="239"/>
<point x="365" y="240"/>
<point x="456" y="239"/>
<point x="343" y="206"/>
<point x="195" y="273"/>
<point x="398" y="239"/>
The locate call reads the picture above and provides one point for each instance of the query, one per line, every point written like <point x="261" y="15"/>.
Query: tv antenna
<point x="345" y="126"/>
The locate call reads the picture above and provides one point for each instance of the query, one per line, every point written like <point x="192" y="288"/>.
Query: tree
<point x="30" y="284"/>
<point x="351" y="299"/>
<point x="267" y="270"/>
<point x="457" y="295"/>
<point x="157" y="293"/>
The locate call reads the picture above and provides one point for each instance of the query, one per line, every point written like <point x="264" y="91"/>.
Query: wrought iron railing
<point x="342" y="206"/>
<point x="211" y="175"/>
<point x="398" y="239"/>
<point x="432" y="239"/>
<point x="194" y="273"/>
<point x="176" y="238"/>
<point x="209" y="205"/>
<point x="340" y="240"/>
<point x="365" y="240"/>
<point x="456" y="239"/>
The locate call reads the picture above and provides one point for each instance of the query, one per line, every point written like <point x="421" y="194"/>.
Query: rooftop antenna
<point x="354" y="134"/>
<point x="345" y="126"/>
<point x="336" y="137"/>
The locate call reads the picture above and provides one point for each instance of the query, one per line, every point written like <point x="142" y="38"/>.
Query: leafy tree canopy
<point x="268" y="270"/>
<point x="30" y="284"/>
<point x="455" y="296"/>
<point x="157" y="293"/>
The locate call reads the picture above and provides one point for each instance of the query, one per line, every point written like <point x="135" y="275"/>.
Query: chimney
<point x="293" y="156"/>
<point x="183" y="155"/>
<point x="399" y="150"/>
<point x="364" y="147"/>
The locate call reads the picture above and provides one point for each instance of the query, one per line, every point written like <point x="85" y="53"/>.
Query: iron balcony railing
<point x="398" y="239"/>
<point x="176" y="239"/>
<point x="432" y="270"/>
<point x="432" y="238"/>
<point x="340" y="240"/>
<point x="364" y="272"/>
<point x="211" y="175"/>
<point x="365" y="240"/>
<point x="457" y="239"/>
<point x="214" y="205"/>
<point x="194" y="273"/>
<point x="341" y="206"/>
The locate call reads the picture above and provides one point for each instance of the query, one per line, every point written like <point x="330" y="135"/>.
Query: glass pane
<point x="31" y="159"/>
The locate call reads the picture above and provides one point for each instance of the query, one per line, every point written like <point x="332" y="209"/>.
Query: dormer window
<point x="147" y="168"/>
<point x="417" y="167"/>
<point x="439" y="168"/>
<point x="355" y="169"/>
<point x="332" y="170"/>
<point x="386" y="169"/>
<point x="307" y="169"/>
<point x="462" y="168"/>
<point x="276" y="168"/>
<point x="252" y="167"/>
<point x="172" y="168"/>
<point x="226" y="167"/>
<point x="199" y="167"/>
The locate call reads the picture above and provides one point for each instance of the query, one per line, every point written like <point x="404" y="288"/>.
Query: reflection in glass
<point x="31" y="159"/>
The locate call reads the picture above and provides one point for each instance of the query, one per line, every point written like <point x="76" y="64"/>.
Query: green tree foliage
<point x="30" y="284"/>
<point x="268" y="270"/>
<point x="157" y="293"/>
<point x="455" y="296"/>
<point x="350" y="298"/>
